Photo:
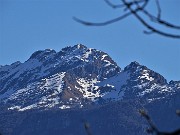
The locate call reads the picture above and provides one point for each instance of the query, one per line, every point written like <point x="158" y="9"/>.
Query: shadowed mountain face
<point x="78" y="77"/>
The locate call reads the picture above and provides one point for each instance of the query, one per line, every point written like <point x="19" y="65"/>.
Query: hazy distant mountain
<point x="78" y="78"/>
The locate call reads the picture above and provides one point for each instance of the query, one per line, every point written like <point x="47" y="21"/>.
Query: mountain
<point x="78" y="78"/>
<point x="49" y="79"/>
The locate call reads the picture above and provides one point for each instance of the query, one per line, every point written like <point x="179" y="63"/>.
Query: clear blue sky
<point x="30" y="25"/>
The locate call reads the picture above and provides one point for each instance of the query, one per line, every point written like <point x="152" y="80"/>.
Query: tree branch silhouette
<point x="137" y="8"/>
<point x="87" y="128"/>
<point x="153" y="129"/>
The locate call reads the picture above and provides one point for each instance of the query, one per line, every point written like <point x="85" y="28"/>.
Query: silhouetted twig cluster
<point x="138" y="9"/>
<point x="153" y="129"/>
<point x="87" y="128"/>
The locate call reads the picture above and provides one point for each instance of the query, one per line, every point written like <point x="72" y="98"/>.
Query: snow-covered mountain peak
<point x="172" y="82"/>
<point x="69" y="50"/>
<point x="79" y="47"/>
<point x="42" y="54"/>
<point x="175" y="85"/>
<point x="16" y="63"/>
<point x="133" y="66"/>
<point x="76" y="76"/>
<point x="83" y="68"/>
<point x="144" y="74"/>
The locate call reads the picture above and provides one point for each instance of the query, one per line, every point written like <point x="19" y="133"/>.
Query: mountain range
<point x="83" y="83"/>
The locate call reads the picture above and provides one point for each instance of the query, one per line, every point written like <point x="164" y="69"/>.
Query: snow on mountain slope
<point x="145" y="83"/>
<point x="75" y="77"/>
<point x="113" y="85"/>
<point x="175" y="84"/>
<point x="107" y="89"/>
<point x="39" y="94"/>
<point x="45" y="63"/>
<point x="35" y="82"/>
<point x="88" y="88"/>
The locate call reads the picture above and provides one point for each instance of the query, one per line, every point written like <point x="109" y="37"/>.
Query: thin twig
<point x="102" y="23"/>
<point x="147" y="25"/>
<point x="160" y="21"/>
<point x="153" y="128"/>
<point x="178" y="112"/>
<point x="158" y="18"/>
<point x="113" y="5"/>
<point x="135" y="7"/>
<point x="87" y="128"/>
<point x="159" y="9"/>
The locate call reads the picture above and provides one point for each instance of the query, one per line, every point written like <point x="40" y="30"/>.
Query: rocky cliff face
<point x="79" y="78"/>
<point x="75" y="77"/>
<point x="50" y="78"/>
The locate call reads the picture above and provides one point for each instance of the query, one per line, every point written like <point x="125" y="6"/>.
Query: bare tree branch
<point x="159" y="9"/>
<point x="87" y="128"/>
<point x="155" y="30"/>
<point x="135" y="7"/>
<point x="153" y="128"/>
<point x="158" y="20"/>
<point x="113" y="5"/>
<point x="102" y="23"/>
<point x="178" y="112"/>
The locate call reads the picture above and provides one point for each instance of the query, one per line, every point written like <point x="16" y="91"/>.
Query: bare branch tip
<point x="178" y="112"/>
<point x="81" y="21"/>
<point x="148" y="32"/>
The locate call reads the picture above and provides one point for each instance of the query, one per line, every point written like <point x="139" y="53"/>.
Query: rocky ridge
<point x="77" y="76"/>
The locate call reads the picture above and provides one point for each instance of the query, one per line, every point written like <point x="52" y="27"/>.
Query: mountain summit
<point x="77" y="76"/>
<point x="49" y="78"/>
<point x="52" y="91"/>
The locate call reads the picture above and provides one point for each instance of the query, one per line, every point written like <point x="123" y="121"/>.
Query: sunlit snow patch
<point x="39" y="94"/>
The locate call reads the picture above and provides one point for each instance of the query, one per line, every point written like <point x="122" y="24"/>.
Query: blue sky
<point x="30" y="25"/>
